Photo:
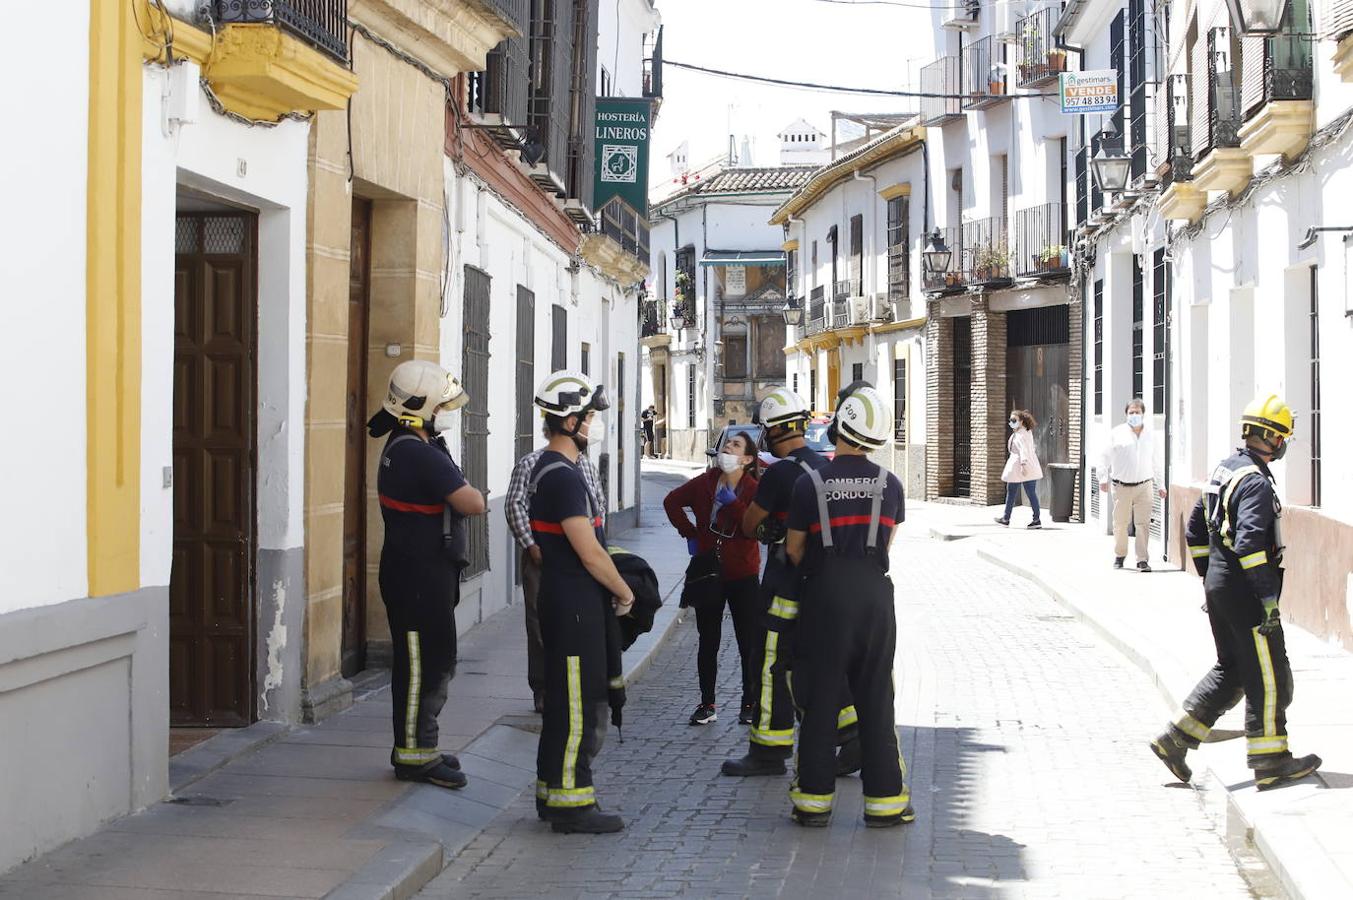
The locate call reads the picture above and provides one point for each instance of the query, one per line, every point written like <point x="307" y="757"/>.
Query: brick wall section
<point x="939" y="403"/>
<point x="1075" y="398"/>
<point x="989" y="404"/>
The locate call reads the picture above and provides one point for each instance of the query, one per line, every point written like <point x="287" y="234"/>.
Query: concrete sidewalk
<point x="315" y="811"/>
<point x="1304" y="832"/>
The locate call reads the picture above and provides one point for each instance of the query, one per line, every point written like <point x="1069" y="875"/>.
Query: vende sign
<point x="1089" y="92"/>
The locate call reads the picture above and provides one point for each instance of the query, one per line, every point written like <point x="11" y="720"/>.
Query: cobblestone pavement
<point x="1026" y="740"/>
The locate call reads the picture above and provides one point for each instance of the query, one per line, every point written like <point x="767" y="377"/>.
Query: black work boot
<point x="1172" y="753"/>
<point x="438" y="773"/>
<point x="1286" y="771"/>
<point x="588" y="821"/>
<point x="848" y="758"/>
<point x="750" y="766"/>
<point x="905" y="817"/>
<point x="811" y="819"/>
<point x="451" y="760"/>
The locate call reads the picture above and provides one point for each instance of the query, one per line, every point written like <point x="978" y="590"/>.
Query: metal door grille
<point x="475" y="417"/>
<point x="526" y="371"/>
<point x="963" y="407"/>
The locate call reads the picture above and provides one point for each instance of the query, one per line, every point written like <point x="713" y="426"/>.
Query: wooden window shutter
<point x="1337" y="18"/>
<point x="1200" y="109"/>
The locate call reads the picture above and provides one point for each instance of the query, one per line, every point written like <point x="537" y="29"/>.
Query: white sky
<point x="802" y="40"/>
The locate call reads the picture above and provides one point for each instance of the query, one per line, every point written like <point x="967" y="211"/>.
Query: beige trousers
<point x="1132" y="503"/>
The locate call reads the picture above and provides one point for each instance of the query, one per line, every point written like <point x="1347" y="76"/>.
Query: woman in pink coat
<point x="1022" y="467"/>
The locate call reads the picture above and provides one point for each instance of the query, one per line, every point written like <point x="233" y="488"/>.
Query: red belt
<point x="851" y="520"/>
<point x="557" y="527"/>
<point x="427" y="509"/>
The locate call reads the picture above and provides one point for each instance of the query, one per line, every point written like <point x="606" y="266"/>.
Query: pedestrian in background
<point x="1021" y="468"/>
<point x="519" y="523"/>
<point x="718" y="498"/>
<point x="1129" y="462"/>
<point x="650" y="442"/>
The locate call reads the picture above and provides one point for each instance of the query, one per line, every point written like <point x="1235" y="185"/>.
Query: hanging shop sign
<point x="1088" y="92"/>
<point x="623" y="129"/>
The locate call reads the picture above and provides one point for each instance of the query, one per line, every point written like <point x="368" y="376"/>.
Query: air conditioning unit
<point x="963" y="15"/>
<point x="1003" y="24"/>
<point x="859" y="310"/>
<point x="883" y="307"/>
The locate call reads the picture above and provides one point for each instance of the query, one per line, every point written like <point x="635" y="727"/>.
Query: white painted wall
<point x="42" y="255"/>
<point x="206" y="157"/>
<point x="620" y="29"/>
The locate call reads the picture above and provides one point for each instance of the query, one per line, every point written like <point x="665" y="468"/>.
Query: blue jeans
<point x="1012" y="494"/>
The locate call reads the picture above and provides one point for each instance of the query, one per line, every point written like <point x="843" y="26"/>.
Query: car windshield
<point x="815" y="435"/>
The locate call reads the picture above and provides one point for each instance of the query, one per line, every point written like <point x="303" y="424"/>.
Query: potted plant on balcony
<point x="1051" y="258"/>
<point x="995" y="82"/>
<point x="1057" y="59"/>
<point x="991" y="264"/>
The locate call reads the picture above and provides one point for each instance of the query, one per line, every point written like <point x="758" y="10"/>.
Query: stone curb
<point x="1239" y="824"/>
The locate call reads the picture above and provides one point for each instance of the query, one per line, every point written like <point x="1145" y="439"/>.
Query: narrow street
<point x="1026" y="741"/>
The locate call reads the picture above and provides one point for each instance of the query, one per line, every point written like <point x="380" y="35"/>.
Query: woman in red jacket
<point x="718" y="497"/>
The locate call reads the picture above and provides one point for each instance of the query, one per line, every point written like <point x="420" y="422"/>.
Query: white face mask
<point x="1134" y="420"/>
<point x="1014" y="423"/>
<point x="443" y="421"/>
<point x="730" y="462"/>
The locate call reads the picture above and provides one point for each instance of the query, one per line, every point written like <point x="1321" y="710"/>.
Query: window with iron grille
<point x="812" y="273"/>
<point x="1315" y="391"/>
<point x="899" y="250"/>
<point x="585" y="363"/>
<point x="690" y="396"/>
<point x="857" y="372"/>
<point x="1139" y="48"/>
<point x="900" y="401"/>
<point x="796" y="382"/>
<point x="526" y="371"/>
<point x="831" y="239"/>
<point x="735" y="356"/>
<point x="475" y="414"/>
<point x="1160" y="291"/>
<point x="1082" y="186"/>
<point x="812" y="387"/>
<point x="620" y="432"/>
<point x="792" y="274"/>
<point x="857" y="254"/>
<point x="1117" y="56"/>
<point x="582" y="101"/>
<point x="1099" y="347"/>
<point x="1138" y="313"/>
<point x="558" y="338"/>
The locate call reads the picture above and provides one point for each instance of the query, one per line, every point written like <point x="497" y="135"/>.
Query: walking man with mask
<point x="1129" y="463"/>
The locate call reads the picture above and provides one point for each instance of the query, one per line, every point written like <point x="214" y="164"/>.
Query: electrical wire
<point x="839" y="89"/>
<point x="904" y="5"/>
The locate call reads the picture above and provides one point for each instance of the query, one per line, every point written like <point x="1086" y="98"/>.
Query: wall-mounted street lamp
<point x="793" y="312"/>
<point x="1254" y="17"/>
<point x="936" y="257"/>
<point x="678" y="320"/>
<point x="1110" y="165"/>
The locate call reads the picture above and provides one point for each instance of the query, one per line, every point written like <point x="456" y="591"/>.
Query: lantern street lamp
<point x="1110" y="165"/>
<point x="1255" y="17"/>
<point x="936" y="257"/>
<point x="678" y="319"/>
<point x="793" y="312"/>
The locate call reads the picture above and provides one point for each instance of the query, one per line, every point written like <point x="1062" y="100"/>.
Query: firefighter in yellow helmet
<point x="1235" y="540"/>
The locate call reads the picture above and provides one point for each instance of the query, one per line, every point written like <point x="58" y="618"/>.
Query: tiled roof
<point x="764" y="179"/>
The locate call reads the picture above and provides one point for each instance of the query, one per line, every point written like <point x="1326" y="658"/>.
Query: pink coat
<point x="1023" y="462"/>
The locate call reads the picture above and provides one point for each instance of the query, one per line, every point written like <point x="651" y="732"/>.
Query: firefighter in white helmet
<point x="580" y="592"/>
<point x="424" y="498"/>
<point x="841" y="520"/>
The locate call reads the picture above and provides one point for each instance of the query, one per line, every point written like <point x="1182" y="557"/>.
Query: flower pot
<point x="1057" y="61"/>
<point x="996" y="88"/>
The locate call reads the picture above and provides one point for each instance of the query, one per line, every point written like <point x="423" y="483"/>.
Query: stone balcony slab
<point x="1224" y="169"/>
<point x="1182" y="202"/>
<point x="1281" y="126"/>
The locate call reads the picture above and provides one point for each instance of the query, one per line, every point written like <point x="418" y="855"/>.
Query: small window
<point x="586" y="361"/>
<point x="900" y="401"/>
<point x="857" y="372"/>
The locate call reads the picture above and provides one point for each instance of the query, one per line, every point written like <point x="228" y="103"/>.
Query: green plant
<point x="1051" y="253"/>
<point x="993" y="258"/>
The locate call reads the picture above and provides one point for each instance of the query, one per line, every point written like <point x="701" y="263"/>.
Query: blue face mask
<point x="1134" y="420"/>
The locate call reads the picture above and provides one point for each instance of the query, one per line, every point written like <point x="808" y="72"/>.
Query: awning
<point x="743" y="258"/>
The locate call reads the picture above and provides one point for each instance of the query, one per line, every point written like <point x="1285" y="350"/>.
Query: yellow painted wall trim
<point x="893" y="191"/>
<point x="898" y="326"/>
<point x="258" y="71"/>
<point x="113" y="300"/>
<point x="790" y="246"/>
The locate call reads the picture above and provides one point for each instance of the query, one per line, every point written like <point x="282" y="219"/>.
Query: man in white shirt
<point x="1129" y="462"/>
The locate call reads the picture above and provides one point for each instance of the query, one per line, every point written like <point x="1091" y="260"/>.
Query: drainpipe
<point x="803" y="279"/>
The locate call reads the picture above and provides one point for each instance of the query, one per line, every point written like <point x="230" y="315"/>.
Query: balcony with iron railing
<point x="841" y="293"/>
<point x="1040" y="245"/>
<point x="986" y="251"/>
<point x="941" y="79"/>
<point x="816" y="320"/>
<point x="498" y="95"/>
<point x="652" y="317"/>
<point x="1277" y="89"/>
<point x="652" y="75"/>
<point x="1215" y="134"/>
<point x="984" y="75"/>
<point x="948" y="276"/>
<point x="962" y="15"/>
<point x="622" y="223"/>
<point x="1040" y="59"/>
<point x="323" y="24"/>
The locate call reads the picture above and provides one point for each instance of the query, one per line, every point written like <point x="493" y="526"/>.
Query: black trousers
<point x="573" y="628"/>
<point x="535" y="645"/>
<point x="420" y="597"/>
<point x="740" y="597"/>
<point x="771" y="735"/>
<point x="1249" y="665"/>
<point x="848" y="630"/>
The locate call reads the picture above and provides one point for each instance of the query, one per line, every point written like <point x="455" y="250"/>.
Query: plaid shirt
<point x="518" y="513"/>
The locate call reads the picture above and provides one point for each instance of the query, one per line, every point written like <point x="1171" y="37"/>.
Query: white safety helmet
<point x="782" y="407"/>
<point x="418" y="388"/>
<point x="863" y="419"/>
<point x="568" y="391"/>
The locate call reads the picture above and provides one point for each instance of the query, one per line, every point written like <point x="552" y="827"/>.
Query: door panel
<point x="962" y="407"/>
<point x="211" y="582"/>
<point x="1038" y="382"/>
<point x="354" y="465"/>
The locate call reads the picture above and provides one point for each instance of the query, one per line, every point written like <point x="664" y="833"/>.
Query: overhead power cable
<point x="841" y="89"/>
<point x="904" y="5"/>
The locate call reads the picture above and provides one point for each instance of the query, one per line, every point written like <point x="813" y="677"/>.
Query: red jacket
<point x="741" y="555"/>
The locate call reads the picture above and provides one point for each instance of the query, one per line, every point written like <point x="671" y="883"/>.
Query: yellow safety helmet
<point x="1269" y="414"/>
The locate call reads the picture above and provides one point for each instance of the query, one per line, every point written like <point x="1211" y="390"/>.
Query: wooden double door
<point x="211" y="589"/>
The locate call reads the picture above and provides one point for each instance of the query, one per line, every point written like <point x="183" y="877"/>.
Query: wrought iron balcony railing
<point x="986" y="251"/>
<point x="622" y="224"/>
<point x="1040" y="241"/>
<point x="1040" y="59"/>
<point x="841" y="311"/>
<point x="984" y="76"/>
<point x="321" y="23"/>
<point x="816" y="320"/>
<point x="1219" y="97"/>
<point x="941" y="77"/>
<point x="653" y="65"/>
<point x="948" y="277"/>
<point x="652" y="317"/>
<point x="1277" y="67"/>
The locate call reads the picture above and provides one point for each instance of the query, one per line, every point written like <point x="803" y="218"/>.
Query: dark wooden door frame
<point x="352" y="644"/>
<point x="249" y="713"/>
